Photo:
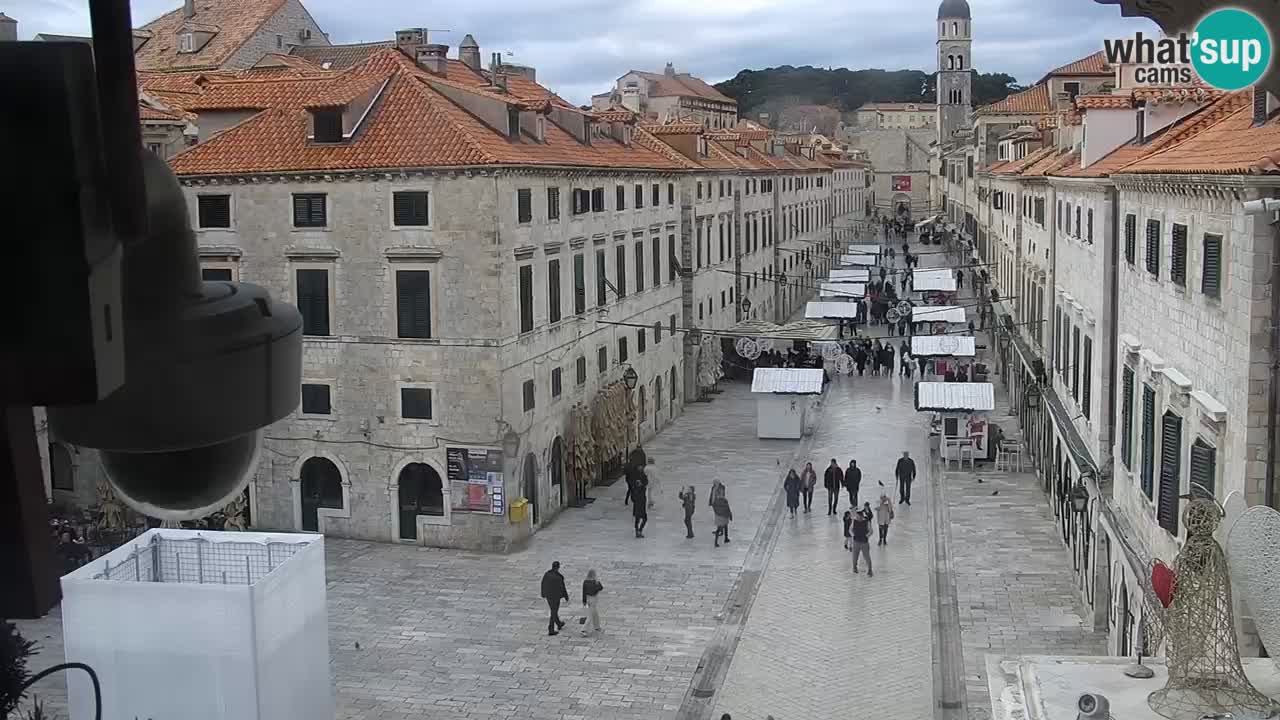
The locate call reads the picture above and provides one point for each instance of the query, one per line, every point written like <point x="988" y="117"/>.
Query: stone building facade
<point x="670" y="97"/>
<point x="886" y="115"/>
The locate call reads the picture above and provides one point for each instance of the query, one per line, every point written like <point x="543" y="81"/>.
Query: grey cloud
<point x="581" y="46"/>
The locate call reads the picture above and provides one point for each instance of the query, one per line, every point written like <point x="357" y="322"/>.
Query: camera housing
<point x="1093" y="706"/>
<point x="207" y="366"/>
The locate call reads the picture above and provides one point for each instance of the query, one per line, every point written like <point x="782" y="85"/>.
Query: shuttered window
<point x="1089" y="228"/>
<point x="640" y="265"/>
<point x="1178" y="255"/>
<point x="672" y="261"/>
<point x="581" y="201"/>
<point x="620" y="282"/>
<point x="579" y="285"/>
<point x="655" y="249"/>
<point x="597" y="200"/>
<point x="1077" y="233"/>
<point x="642" y="337"/>
<point x="1075" y="363"/>
<point x="556" y="382"/>
<point x="602" y="280"/>
<point x="553" y="291"/>
<point x="656" y="192"/>
<point x="1211" y="266"/>
<point x="580" y="368"/>
<point x="602" y="360"/>
<point x="1148" y="439"/>
<point x="524" y="205"/>
<point x="409" y="208"/>
<point x="1170" y="472"/>
<point x="639" y="196"/>
<point x="671" y="193"/>
<point x="1126" y="417"/>
<point x="413" y="303"/>
<point x="553" y="203"/>
<point x="214" y="211"/>
<point x="1086" y="386"/>
<point x="620" y="197"/>
<point x="309" y="210"/>
<point x="1204" y="466"/>
<point x="622" y="350"/>
<point x="1153" y="247"/>
<point x="526" y="298"/>
<point x="529" y="395"/>
<point x="313" y="301"/>
<point x="1131" y="239"/>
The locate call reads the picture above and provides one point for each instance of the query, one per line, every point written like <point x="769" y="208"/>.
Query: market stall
<point x="948" y="314"/>
<point x="864" y="250"/>
<point x="942" y="352"/>
<point x="858" y="275"/>
<point x="830" y="310"/>
<point x="860" y="259"/>
<point x="959" y="430"/>
<point x="925" y="280"/>
<point x="847" y="291"/>
<point x="783" y="398"/>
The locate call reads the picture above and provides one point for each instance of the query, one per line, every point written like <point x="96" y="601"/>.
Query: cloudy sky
<point x="580" y="46"/>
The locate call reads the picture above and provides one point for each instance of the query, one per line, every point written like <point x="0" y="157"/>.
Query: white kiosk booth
<point x="940" y="350"/>
<point x="950" y="314"/>
<point x="861" y="260"/>
<point x="830" y="310"/>
<point x="858" y="275"/>
<point x="959" y="428"/>
<point x="864" y="249"/>
<point x="846" y="291"/>
<point x="933" y="280"/>
<point x="783" y="396"/>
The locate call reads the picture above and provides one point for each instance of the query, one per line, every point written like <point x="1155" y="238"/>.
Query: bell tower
<point x="955" y="67"/>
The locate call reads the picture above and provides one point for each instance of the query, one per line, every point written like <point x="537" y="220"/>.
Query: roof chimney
<point x="1263" y="104"/>
<point x="8" y="28"/>
<point x="189" y="9"/>
<point x="469" y="52"/>
<point x="408" y="40"/>
<point x="432" y="57"/>
<point x="670" y="71"/>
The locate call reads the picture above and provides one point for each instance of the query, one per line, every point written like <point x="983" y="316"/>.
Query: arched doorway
<point x="321" y="483"/>
<point x="61" y="476"/>
<point x="530" y="485"/>
<point x="556" y="470"/>
<point x="1125" y="618"/>
<point x="420" y="493"/>
<point x="657" y="400"/>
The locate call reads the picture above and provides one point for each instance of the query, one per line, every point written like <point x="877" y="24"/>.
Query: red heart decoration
<point x="1164" y="582"/>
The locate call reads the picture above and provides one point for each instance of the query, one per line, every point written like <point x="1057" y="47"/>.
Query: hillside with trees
<point x="775" y="90"/>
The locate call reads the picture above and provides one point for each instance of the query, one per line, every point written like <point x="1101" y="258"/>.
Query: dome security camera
<point x="1093" y="706"/>
<point x="207" y="366"/>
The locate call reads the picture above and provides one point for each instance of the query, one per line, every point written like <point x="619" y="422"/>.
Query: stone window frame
<point x="232" y="215"/>
<point x="225" y="264"/>
<point x="295" y="487"/>
<point x="394" y="188"/>
<point x="393" y="491"/>
<point x="332" y="417"/>
<point x="330" y="267"/>
<point x="434" y="387"/>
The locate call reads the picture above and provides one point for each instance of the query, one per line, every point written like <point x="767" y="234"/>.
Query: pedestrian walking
<point x="591" y="588"/>
<point x="852" y="482"/>
<point x="848" y="521"/>
<point x="553" y="591"/>
<point x="720" y="506"/>
<point x="640" y="505"/>
<point x="792" y="487"/>
<point x="884" y="515"/>
<point x="905" y="471"/>
<point x="959" y="279"/>
<point x="687" y="500"/>
<point x="923" y="362"/>
<point x="808" y="481"/>
<point x="629" y="473"/>
<point x="886" y="359"/>
<point x="832" y="479"/>
<point x="654" y="489"/>
<point x="860" y="359"/>
<point x="904" y="352"/>
<point x="859" y="540"/>
<point x="717" y="491"/>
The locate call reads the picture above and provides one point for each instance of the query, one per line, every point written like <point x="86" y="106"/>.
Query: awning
<point x="938" y="313"/>
<point x="788" y="381"/>
<point x="843" y="290"/>
<point x="857" y="275"/>
<point x="1066" y="430"/>
<point x="810" y="330"/>
<point x="933" y="280"/>
<point x="859" y="259"/>
<point x="927" y="221"/>
<point x="823" y="310"/>
<point x="943" y="346"/>
<point x="955" y="397"/>
<point x="864" y="249"/>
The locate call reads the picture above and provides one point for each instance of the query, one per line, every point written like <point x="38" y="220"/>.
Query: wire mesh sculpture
<point x="1205" y="673"/>
<point x="844" y="364"/>
<point x="747" y="348"/>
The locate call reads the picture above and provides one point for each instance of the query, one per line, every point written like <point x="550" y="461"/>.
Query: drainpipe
<point x="1256" y="208"/>
<point x="1113" y="305"/>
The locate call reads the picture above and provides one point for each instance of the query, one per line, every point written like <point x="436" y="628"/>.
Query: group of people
<point x="554" y="591"/>
<point x="644" y="491"/>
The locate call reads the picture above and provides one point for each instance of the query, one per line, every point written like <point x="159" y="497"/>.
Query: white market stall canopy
<point x="787" y="381"/>
<point x="867" y="260"/>
<point x="843" y="290"/>
<point x="810" y="330"/>
<point x="935" y="279"/>
<point x="858" y="275"/>
<point x="864" y="249"/>
<point x="821" y="310"/>
<point x="955" y="397"/>
<point x="943" y="346"/>
<point x="938" y="313"/>
<point x="927" y="221"/>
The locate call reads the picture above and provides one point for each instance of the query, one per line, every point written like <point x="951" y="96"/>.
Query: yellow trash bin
<point x="519" y="510"/>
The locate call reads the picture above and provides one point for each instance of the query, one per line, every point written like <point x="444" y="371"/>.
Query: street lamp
<point x="1079" y="497"/>
<point x="510" y="442"/>
<point x="630" y="378"/>
<point x="746" y="302"/>
<point x="1033" y="395"/>
<point x="808" y="264"/>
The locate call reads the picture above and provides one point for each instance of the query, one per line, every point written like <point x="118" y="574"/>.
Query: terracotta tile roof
<point x="675" y="129"/>
<point x="1015" y="167"/>
<point x="900" y="106"/>
<point x="190" y="82"/>
<point x="235" y="21"/>
<point x="147" y="113"/>
<point x="339" y="57"/>
<point x="411" y="125"/>
<point x="681" y="85"/>
<point x="643" y="138"/>
<point x="1197" y="94"/>
<point x="1032" y="101"/>
<point x="1104" y="102"/>
<point x="1222" y="141"/>
<point x="1095" y="64"/>
<point x="1049" y="162"/>
<point x="615" y="115"/>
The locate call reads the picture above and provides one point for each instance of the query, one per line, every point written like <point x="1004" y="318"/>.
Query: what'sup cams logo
<point x="1230" y="49"/>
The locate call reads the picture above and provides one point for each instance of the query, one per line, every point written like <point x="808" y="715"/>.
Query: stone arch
<point x="555" y="470"/>
<point x="960" y="62"/>
<point x="321" y="489"/>
<point x="419" y="490"/>
<point x="529" y="485"/>
<point x="951" y="62"/>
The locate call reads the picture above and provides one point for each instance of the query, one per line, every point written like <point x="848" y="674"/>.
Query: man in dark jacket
<point x="553" y="590"/>
<point x="853" y="481"/>
<point x="906" y="473"/>
<point x="640" y="503"/>
<point x="832" y="479"/>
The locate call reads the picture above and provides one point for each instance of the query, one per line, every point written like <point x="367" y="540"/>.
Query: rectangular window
<point x="620" y="271"/>
<point x="529" y="393"/>
<point x="415" y="403"/>
<point x="1089" y="228"/>
<point x="555" y="382"/>
<point x="672" y="324"/>
<point x="553" y="203"/>
<point x="671" y="193"/>
<point x="524" y="205"/>
<point x="1148" y="438"/>
<point x="580" y="368"/>
<point x="413" y="304"/>
<point x="310" y="210"/>
<point x="602" y="281"/>
<point x="639" y="196"/>
<point x="620" y="197"/>
<point x="657" y="333"/>
<point x="699" y="247"/>
<point x="721" y="242"/>
<point x="656" y="191"/>
<point x="597" y="200"/>
<point x="409" y="208"/>
<point x="526" y="298"/>
<point x="655" y="248"/>
<point x="214" y="211"/>
<point x="1131" y="239"/>
<point x="316" y="399"/>
<point x="1064" y="363"/>
<point x="642" y="337"/>
<point x="672" y="261"/>
<point x="553" y="291"/>
<point x="221" y="274"/>
<point x="579" y="284"/>
<point x="1153" y="247"/>
<point x="1086" y="370"/>
<point x="1126" y="417"/>
<point x="1178" y="255"/>
<point x="581" y="201"/>
<point x="622" y="349"/>
<point x="1170" y="472"/>
<point x="1211" y="266"/>
<point x="1075" y="363"/>
<point x="699" y="189"/>
<point x="1077" y="233"/>
<point x="640" y="266"/>
<point x="313" y="301"/>
<point x="1204" y="466"/>
<point x="602" y="360"/>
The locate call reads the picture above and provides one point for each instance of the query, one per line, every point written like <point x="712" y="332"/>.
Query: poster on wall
<point x="475" y="479"/>
<point x="901" y="183"/>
